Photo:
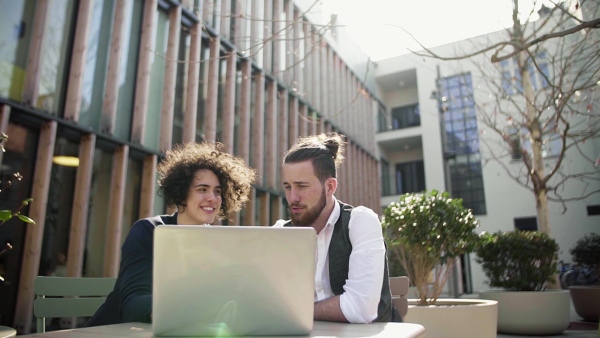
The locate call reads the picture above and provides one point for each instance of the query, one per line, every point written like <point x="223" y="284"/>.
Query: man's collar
<point x="335" y="214"/>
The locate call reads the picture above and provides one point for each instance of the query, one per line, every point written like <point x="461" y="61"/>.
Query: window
<point x="407" y="116"/>
<point x="526" y="224"/>
<point x="385" y="178"/>
<point x="382" y="120"/>
<point x="461" y="141"/>
<point x="593" y="210"/>
<point x="17" y="20"/>
<point x="520" y="142"/>
<point x="410" y="177"/>
<point x="511" y="77"/>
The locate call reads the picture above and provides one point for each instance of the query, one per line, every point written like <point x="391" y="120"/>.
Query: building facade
<point x="437" y="130"/>
<point x="93" y="92"/>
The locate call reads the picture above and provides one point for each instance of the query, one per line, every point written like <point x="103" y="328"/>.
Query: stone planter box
<point x="586" y="300"/>
<point x="455" y="318"/>
<point x="531" y="312"/>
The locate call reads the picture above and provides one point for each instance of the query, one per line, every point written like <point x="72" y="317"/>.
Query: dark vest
<point x="339" y="261"/>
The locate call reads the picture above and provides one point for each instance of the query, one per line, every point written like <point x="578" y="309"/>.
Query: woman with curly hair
<point x="203" y="184"/>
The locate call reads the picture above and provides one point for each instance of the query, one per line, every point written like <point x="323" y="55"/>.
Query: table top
<point x="6" y="332"/>
<point x="320" y="329"/>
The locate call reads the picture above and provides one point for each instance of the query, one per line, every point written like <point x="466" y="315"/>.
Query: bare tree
<point x="544" y="85"/>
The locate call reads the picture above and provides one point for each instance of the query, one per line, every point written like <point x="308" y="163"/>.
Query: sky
<point x="376" y="25"/>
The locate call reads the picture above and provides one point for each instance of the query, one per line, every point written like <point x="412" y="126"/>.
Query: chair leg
<point x="41" y="325"/>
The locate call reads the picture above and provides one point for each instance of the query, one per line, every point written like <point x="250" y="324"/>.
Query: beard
<point x="307" y="218"/>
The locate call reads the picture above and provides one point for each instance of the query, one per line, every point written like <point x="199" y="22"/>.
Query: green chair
<point x="68" y="297"/>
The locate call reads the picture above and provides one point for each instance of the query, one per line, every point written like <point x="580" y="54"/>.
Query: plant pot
<point x="531" y="312"/>
<point x="586" y="300"/>
<point x="451" y="318"/>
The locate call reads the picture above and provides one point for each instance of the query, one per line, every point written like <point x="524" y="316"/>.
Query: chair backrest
<point x="399" y="288"/>
<point x="85" y="297"/>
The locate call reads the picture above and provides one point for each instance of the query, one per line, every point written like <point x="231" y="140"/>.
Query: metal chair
<point x="68" y="297"/>
<point x="399" y="288"/>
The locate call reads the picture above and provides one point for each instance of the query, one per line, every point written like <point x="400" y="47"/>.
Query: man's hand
<point x="329" y="310"/>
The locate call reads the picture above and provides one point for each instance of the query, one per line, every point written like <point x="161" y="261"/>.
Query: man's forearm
<point x="329" y="310"/>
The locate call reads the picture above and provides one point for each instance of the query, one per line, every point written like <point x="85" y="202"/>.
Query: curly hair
<point x="324" y="150"/>
<point x="176" y="173"/>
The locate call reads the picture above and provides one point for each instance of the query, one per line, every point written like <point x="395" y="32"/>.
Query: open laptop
<point x="233" y="280"/>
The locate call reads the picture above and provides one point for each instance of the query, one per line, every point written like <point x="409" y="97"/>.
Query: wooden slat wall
<point x="115" y="212"/>
<point x="34" y="55"/>
<point x="79" y="213"/>
<point x="78" y="60"/>
<point x="325" y="84"/>
<point x="168" y="94"/>
<point x="35" y="232"/>
<point x="142" y="86"/>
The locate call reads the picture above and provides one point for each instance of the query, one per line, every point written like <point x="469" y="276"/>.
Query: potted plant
<point x="519" y="264"/>
<point x="584" y="281"/>
<point x="427" y="232"/>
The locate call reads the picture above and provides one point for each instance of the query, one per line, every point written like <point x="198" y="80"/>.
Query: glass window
<point x="99" y="203"/>
<point x="410" y="177"/>
<point x="128" y="67"/>
<point x="238" y="94"/>
<point x="157" y="77"/>
<point x="202" y="89"/>
<point x="462" y="140"/>
<point x="181" y="85"/>
<point x="16" y="23"/>
<point x="221" y="96"/>
<point x="386" y="184"/>
<point x="407" y="116"/>
<point x="132" y="196"/>
<point x="54" y="54"/>
<point x="55" y="244"/>
<point x="96" y="63"/>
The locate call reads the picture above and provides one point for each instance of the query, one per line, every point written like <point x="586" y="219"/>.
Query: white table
<point x="7" y="332"/>
<point x="320" y="329"/>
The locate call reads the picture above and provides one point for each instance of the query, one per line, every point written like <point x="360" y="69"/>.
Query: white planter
<point x="455" y="318"/>
<point x="531" y="312"/>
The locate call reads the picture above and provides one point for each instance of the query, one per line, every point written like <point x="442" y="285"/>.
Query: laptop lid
<point x="233" y="280"/>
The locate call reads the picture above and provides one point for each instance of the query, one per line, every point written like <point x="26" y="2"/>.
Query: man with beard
<point x="351" y="281"/>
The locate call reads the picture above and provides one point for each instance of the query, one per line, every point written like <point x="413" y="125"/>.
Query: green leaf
<point x="27" y="201"/>
<point x="5" y="215"/>
<point x="26" y="219"/>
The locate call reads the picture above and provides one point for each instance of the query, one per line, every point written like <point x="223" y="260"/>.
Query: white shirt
<point x="362" y="290"/>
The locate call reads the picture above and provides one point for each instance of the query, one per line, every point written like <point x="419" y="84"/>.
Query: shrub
<point x="518" y="260"/>
<point x="586" y="251"/>
<point x="426" y="232"/>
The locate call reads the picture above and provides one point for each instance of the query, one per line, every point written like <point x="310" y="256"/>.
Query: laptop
<point x="233" y="280"/>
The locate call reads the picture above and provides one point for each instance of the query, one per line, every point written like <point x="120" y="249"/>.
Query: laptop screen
<point x="233" y="280"/>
